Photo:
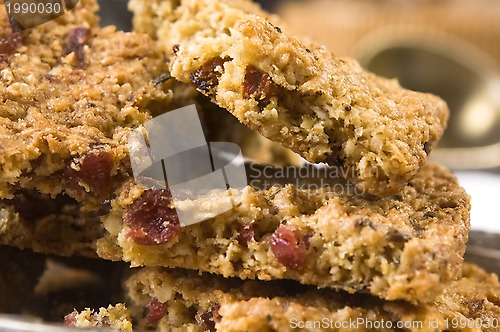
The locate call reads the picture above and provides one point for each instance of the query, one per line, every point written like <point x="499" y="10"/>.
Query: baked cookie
<point x="155" y="17"/>
<point x="114" y="317"/>
<point x="166" y="300"/>
<point x="407" y="246"/>
<point x="51" y="226"/>
<point x="71" y="94"/>
<point x="325" y="108"/>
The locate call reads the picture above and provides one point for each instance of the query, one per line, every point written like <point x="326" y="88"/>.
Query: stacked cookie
<point x="386" y="257"/>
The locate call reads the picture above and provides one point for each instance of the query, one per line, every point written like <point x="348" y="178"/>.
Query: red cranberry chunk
<point x="93" y="170"/>
<point x="155" y="311"/>
<point x="70" y="319"/>
<point x="9" y="44"/>
<point x="246" y="234"/>
<point x="290" y="246"/>
<point x="258" y="85"/>
<point x="78" y="38"/>
<point x="206" y="78"/>
<point x="152" y="218"/>
<point x="208" y="318"/>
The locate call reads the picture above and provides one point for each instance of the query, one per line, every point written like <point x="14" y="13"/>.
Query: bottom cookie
<point x="173" y="300"/>
<point x="115" y="317"/>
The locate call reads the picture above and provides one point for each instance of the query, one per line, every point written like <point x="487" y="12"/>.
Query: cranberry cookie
<point x="325" y="108"/>
<point x="407" y="246"/>
<point x="71" y="94"/>
<point x="163" y="300"/>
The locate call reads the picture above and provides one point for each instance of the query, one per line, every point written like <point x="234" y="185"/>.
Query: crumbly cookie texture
<point x="174" y="300"/>
<point x="55" y="226"/>
<point x="407" y="246"/>
<point x="155" y="17"/>
<point x="115" y="317"/>
<point x="71" y="94"/>
<point x="325" y="108"/>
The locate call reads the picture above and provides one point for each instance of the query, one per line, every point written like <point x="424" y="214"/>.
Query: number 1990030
<point x="30" y="7"/>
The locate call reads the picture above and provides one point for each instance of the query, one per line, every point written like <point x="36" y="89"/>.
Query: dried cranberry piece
<point x="70" y="319"/>
<point x="78" y="38"/>
<point x="208" y="319"/>
<point x="258" y="85"/>
<point x="152" y="219"/>
<point x="155" y="311"/>
<point x="94" y="171"/>
<point x="290" y="246"/>
<point x="246" y="234"/>
<point x="9" y="44"/>
<point x="206" y="78"/>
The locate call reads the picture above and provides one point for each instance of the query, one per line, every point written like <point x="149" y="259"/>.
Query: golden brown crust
<point x="221" y="126"/>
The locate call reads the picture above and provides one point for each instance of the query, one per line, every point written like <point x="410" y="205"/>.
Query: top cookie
<point x="326" y="108"/>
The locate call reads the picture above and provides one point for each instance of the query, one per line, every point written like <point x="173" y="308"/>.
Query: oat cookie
<point x="406" y="246"/>
<point x="51" y="226"/>
<point x="325" y="108"/>
<point x="166" y="300"/>
<point x="115" y="317"/>
<point x="71" y="94"/>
